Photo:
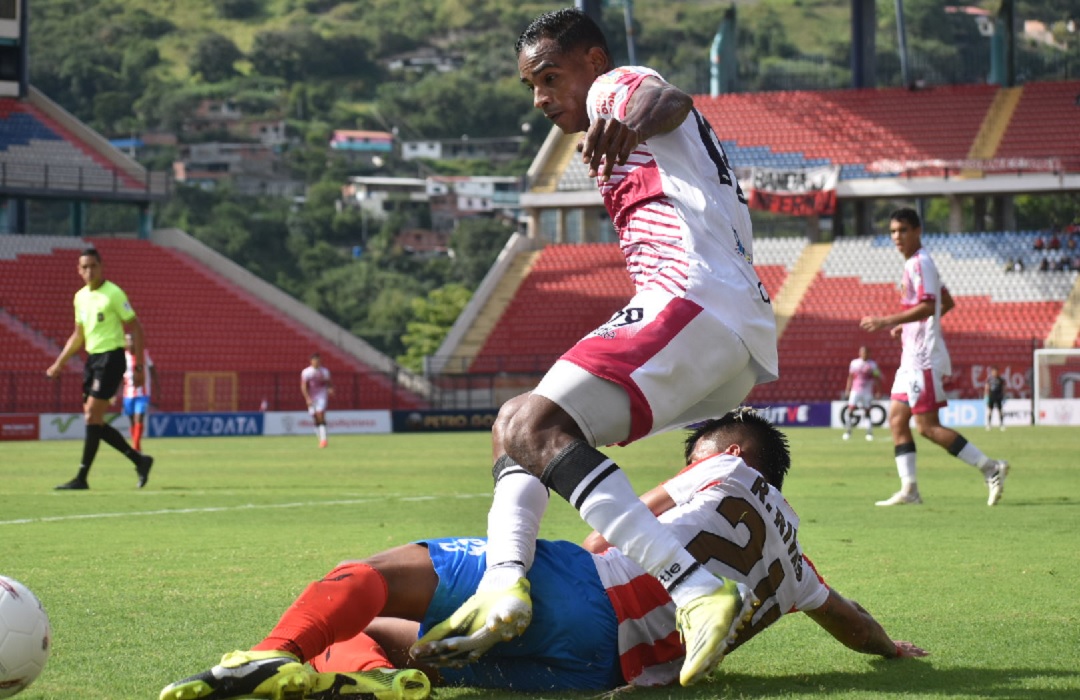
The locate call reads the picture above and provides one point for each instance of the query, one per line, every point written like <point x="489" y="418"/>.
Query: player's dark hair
<point x="908" y="216"/>
<point x="763" y="446"/>
<point x="90" y="252"/>
<point x="314" y="356"/>
<point x="569" y="28"/>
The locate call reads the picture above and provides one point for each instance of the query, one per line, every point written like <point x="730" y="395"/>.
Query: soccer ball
<point x="25" y="637"/>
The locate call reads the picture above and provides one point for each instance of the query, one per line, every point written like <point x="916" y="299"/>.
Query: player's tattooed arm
<point x="656" y="107"/>
<point x="857" y="629"/>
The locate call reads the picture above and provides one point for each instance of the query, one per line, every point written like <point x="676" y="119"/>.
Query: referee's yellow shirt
<point x="102" y="313"/>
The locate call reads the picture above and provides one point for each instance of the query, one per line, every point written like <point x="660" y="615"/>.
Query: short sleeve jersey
<point x="130" y="390"/>
<point x="683" y="223"/>
<point x="102" y="313"/>
<point x="728" y="516"/>
<point x="317" y="380"/>
<point x="862" y="374"/>
<point x="923" y="342"/>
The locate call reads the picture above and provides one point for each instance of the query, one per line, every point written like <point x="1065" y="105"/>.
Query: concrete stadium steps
<point x="472" y="344"/>
<point x="1046" y="124"/>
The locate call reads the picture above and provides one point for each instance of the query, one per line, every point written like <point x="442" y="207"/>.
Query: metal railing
<point x="89" y="181"/>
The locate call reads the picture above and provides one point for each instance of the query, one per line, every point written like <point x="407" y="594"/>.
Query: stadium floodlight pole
<point x="628" y="19"/>
<point x="901" y="43"/>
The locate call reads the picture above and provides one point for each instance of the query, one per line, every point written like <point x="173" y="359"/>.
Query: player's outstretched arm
<point x="857" y="629"/>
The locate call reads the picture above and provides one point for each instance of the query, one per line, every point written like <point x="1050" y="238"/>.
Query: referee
<point x="102" y="313"/>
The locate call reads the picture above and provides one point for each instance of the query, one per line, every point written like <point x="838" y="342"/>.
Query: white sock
<point x="320" y="430"/>
<point x="514" y="518"/>
<point x="614" y="510"/>
<point x="905" y="467"/>
<point x="974" y="456"/>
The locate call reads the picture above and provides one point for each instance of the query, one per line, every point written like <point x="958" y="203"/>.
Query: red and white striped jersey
<point x="923" y="342"/>
<point x="682" y="220"/>
<point x="130" y="390"/>
<point x="742" y="528"/>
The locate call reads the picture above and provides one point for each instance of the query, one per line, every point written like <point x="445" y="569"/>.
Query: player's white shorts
<point x="861" y="398"/>
<point x="660" y="363"/>
<point x="920" y="389"/>
<point x="318" y="404"/>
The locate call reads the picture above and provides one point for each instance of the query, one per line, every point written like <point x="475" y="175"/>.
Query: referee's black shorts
<point x="103" y="373"/>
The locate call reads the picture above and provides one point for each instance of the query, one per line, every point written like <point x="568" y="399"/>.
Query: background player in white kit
<point x="862" y="379"/>
<point x="698" y="334"/>
<point x="136" y="397"/>
<point x="917" y="389"/>
<point x="316" y="387"/>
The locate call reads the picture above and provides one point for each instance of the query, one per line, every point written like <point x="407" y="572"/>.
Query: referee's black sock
<point x="89" y="449"/>
<point x="115" y="440"/>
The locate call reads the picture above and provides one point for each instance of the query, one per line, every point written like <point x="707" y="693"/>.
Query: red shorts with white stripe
<point x="661" y="362"/>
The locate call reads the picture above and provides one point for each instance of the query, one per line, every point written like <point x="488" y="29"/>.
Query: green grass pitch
<point x="145" y="587"/>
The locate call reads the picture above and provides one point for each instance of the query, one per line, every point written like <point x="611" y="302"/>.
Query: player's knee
<point x="501" y="427"/>
<point x="535" y="433"/>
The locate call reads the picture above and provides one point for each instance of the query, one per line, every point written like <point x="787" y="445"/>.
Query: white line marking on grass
<point x="226" y="509"/>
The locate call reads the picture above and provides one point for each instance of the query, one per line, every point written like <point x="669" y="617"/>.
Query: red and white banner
<point x="796" y="192"/>
<point x="18" y="427"/>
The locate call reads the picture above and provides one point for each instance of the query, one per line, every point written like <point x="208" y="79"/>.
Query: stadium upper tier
<point x="867" y="133"/>
<point x="195" y="322"/>
<point x="39" y="152"/>
<point x="891" y="131"/>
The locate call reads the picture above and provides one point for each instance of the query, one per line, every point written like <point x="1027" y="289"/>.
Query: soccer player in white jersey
<point x="696" y="337"/>
<point x="316" y="387"/>
<point x="862" y="379"/>
<point x="136" y="397"/>
<point x="600" y="622"/>
<point x="917" y="389"/>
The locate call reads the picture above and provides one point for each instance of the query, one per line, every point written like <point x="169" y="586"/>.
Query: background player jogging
<point x="316" y="387"/>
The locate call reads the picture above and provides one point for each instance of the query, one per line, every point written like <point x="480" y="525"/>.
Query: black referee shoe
<point x="75" y="484"/>
<point x="143" y="469"/>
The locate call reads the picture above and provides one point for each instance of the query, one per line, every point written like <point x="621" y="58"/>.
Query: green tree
<point x="481" y="107"/>
<point x="476" y="244"/>
<point x="432" y="318"/>
<point x="238" y="9"/>
<point x="215" y="58"/>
